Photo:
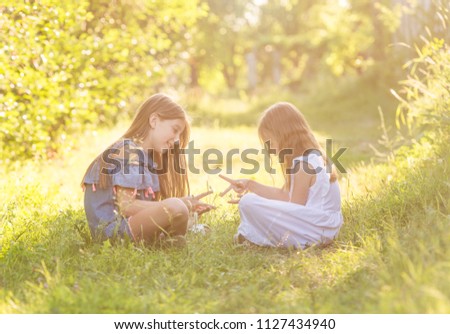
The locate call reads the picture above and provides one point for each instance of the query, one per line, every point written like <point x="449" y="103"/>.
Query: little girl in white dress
<point x="307" y="209"/>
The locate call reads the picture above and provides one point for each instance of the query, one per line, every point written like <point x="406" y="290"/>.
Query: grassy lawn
<point x="392" y="254"/>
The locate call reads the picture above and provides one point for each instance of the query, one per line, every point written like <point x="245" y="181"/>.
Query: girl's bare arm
<point x="302" y="182"/>
<point x="268" y="191"/>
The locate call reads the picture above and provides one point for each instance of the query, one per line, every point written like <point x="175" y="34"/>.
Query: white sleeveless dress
<point x="268" y="222"/>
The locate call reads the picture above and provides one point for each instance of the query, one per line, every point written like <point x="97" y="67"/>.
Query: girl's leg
<point x="274" y="223"/>
<point x="168" y="216"/>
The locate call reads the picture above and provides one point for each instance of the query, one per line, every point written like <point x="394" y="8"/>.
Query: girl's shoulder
<point x="127" y="150"/>
<point x="125" y="143"/>
<point x="313" y="157"/>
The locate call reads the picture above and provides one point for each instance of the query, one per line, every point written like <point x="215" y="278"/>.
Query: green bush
<point x="66" y="64"/>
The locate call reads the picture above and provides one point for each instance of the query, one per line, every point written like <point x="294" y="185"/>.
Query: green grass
<point x="392" y="255"/>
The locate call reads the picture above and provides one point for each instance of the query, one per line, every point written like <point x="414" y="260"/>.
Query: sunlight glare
<point x="344" y="3"/>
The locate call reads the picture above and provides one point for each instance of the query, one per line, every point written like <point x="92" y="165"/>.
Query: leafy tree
<point x="66" y="64"/>
<point x="220" y="40"/>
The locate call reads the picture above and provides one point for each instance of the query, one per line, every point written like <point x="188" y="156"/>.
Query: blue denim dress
<point x="133" y="170"/>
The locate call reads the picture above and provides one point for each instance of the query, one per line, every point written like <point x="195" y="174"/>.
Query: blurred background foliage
<point x="75" y="65"/>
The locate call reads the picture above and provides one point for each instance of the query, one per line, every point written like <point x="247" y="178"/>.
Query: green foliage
<point x="424" y="99"/>
<point x="426" y="103"/>
<point x="67" y="67"/>
<point x="68" y="64"/>
<point x="219" y="42"/>
<point x="347" y="36"/>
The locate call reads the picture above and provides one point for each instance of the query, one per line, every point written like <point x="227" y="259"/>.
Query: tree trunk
<point x="193" y="64"/>
<point x="229" y="73"/>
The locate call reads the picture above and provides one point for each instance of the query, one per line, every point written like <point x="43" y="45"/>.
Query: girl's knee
<point x="247" y="201"/>
<point x="176" y="209"/>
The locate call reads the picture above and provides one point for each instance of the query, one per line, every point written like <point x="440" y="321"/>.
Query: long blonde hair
<point x="172" y="183"/>
<point x="285" y="124"/>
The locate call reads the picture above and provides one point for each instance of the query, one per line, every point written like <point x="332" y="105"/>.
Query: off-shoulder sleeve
<point x="92" y="175"/>
<point x="134" y="172"/>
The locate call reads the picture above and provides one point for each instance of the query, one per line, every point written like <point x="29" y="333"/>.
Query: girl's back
<point x="323" y="194"/>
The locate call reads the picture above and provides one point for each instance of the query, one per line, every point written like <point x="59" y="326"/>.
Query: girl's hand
<point x="195" y="205"/>
<point x="203" y="208"/>
<point x="235" y="200"/>
<point x="240" y="186"/>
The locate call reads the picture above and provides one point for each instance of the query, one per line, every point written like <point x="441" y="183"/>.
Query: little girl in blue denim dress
<point x="126" y="196"/>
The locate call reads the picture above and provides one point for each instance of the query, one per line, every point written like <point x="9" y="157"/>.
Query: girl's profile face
<point x="164" y="133"/>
